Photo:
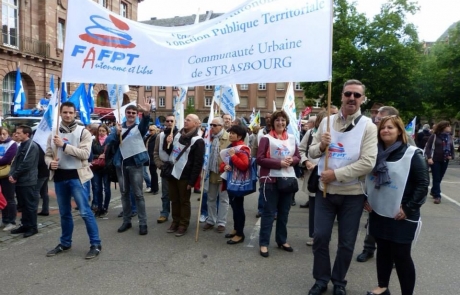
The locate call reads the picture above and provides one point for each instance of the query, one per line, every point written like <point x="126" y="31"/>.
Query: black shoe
<point x="264" y="254"/>
<point x="339" y="290"/>
<point x="232" y="242"/>
<point x="258" y="215"/>
<point x="317" y="290"/>
<point x="93" y="252"/>
<point x="59" y="249"/>
<point x="30" y="232"/>
<point x="288" y="249"/>
<point x="363" y="257"/>
<point x="155" y="193"/>
<point x="229" y="236"/>
<point x="120" y="214"/>
<point x="124" y="227"/>
<point x="307" y="204"/>
<point x="386" y="292"/>
<point x="197" y="191"/>
<point x="143" y="230"/>
<point x="19" y="230"/>
<point x="43" y="214"/>
<point x="133" y="214"/>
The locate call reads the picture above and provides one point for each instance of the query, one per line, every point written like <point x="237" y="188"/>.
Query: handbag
<point x="3" y="201"/>
<point x="99" y="163"/>
<point x="287" y="185"/>
<point x="5" y="171"/>
<point x="242" y="183"/>
<point x="313" y="181"/>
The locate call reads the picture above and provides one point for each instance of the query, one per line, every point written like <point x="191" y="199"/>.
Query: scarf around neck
<point x="214" y="155"/>
<point x="381" y="169"/>
<point x="446" y="142"/>
<point x="68" y="129"/>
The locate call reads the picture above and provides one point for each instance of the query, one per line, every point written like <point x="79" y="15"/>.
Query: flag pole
<point x="172" y="128"/>
<point x="118" y="109"/>
<point x="199" y="207"/>
<point x="329" y="94"/>
<point x="220" y="98"/>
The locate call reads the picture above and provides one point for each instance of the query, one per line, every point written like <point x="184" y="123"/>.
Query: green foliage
<point x="190" y="109"/>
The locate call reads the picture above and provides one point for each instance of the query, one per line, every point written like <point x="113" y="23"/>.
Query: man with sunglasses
<point x="352" y="142"/>
<point x="219" y="141"/>
<point x="129" y="159"/>
<point x="160" y="157"/>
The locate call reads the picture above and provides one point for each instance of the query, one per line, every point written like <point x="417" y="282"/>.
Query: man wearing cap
<point x="422" y="137"/>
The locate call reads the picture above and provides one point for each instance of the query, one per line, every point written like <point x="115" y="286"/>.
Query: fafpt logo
<point x="282" y="150"/>
<point x="336" y="148"/>
<point x="108" y="32"/>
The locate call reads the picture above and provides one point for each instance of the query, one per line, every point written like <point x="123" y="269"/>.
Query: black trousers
<point x="389" y="252"/>
<point x="239" y="217"/>
<point x="153" y="177"/>
<point x="29" y="210"/>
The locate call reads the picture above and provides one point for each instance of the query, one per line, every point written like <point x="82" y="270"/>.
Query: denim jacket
<point x="114" y="139"/>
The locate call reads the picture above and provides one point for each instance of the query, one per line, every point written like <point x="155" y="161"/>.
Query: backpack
<point x="240" y="184"/>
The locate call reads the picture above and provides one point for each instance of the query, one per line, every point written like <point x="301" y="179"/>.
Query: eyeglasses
<point x="131" y="113"/>
<point x="169" y="121"/>
<point x="355" y="94"/>
<point x="214" y="125"/>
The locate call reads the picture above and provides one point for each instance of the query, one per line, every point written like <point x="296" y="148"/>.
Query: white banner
<point x="258" y="41"/>
<point x="112" y="90"/>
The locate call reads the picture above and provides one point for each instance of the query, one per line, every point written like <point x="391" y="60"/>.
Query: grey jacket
<point x="24" y="168"/>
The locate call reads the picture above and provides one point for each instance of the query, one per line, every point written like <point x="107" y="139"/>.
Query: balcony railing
<point x="27" y="45"/>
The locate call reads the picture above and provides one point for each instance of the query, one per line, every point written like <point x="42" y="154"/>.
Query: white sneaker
<point x="147" y="190"/>
<point x="203" y="218"/>
<point x="9" y="227"/>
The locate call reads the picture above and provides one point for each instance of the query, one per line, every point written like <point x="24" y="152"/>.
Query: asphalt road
<point x="160" y="263"/>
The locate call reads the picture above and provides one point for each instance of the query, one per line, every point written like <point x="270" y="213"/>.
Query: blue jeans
<point x="204" y="204"/>
<point x="165" y="202"/>
<point x="260" y="201"/>
<point x="64" y="192"/>
<point x="130" y="180"/>
<point x="146" y="177"/>
<point x="274" y="202"/>
<point x="87" y="187"/>
<point x="101" y="182"/>
<point x="438" y="169"/>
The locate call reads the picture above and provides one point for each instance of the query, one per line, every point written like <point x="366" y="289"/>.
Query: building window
<point x="297" y="86"/>
<point x="161" y="102"/>
<point x="207" y="101"/>
<point x="244" y="86"/>
<point x="161" y="88"/>
<point x="262" y="86"/>
<point x="10" y="22"/>
<point x="103" y="3"/>
<point x="191" y="101"/>
<point x="279" y="102"/>
<point x="280" y="86"/>
<point x="9" y="84"/>
<point x="208" y="87"/>
<point x="243" y="102"/>
<point x="124" y="9"/>
<point x="60" y="33"/>
<point x="148" y="88"/>
<point x="191" y="88"/>
<point x="175" y="88"/>
<point x="261" y="102"/>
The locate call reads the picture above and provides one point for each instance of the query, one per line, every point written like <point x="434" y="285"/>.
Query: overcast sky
<point x="434" y="17"/>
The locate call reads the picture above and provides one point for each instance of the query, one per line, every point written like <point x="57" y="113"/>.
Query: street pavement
<point x="160" y="263"/>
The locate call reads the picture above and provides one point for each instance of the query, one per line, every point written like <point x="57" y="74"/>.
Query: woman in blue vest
<point x="277" y="155"/>
<point x="397" y="188"/>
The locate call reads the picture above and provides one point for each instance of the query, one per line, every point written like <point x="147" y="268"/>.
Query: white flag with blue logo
<point x="227" y="98"/>
<point x="47" y="123"/>
<point x="290" y="109"/>
<point x="112" y="90"/>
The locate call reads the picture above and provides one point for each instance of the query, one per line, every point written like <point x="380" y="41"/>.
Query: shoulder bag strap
<point x="351" y="126"/>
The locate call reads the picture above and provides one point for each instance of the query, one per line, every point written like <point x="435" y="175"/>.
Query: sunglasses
<point x="214" y="125"/>
<point x="355" y="94"/>
<point x="169" y="121"/>
<point x="131" y="113"/>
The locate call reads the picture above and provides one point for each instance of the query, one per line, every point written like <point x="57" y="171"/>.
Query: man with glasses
<point x="190" y="146"/>
<point x="227" y="121"/>
<point x="160" y="157"/>
<point x="129" y="159"/>
<point x="220" y="140"/>
<point x="352" y="142"/>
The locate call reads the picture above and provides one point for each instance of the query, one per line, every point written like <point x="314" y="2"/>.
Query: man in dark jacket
<point x="149" y="142"/>
<point x="190" y="146"/>
<point x="422" y="137"/>
<point x="24" y="171"/>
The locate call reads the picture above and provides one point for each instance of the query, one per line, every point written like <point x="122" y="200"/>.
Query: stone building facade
<point x="33" y="33"/>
